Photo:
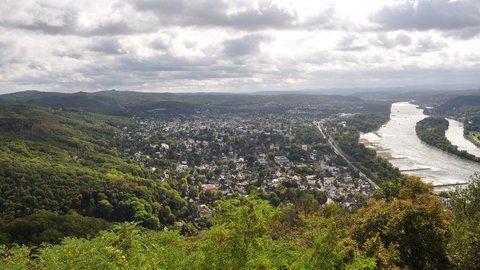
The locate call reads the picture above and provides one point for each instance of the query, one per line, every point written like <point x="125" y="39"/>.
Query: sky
<point x="236" y="46"/>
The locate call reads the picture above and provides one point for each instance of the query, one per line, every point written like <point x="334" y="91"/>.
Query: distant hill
<point x="138" y="103"/>
<point x="421" y="97"/>
<point x="460" y="104"/>
<point x="107" y="102"/>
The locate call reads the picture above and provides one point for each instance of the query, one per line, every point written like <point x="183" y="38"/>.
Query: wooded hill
<point x="167" y="104"/>
<point x="66" y="162"/>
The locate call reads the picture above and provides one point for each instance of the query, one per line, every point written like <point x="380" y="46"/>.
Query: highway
<point x="339" y="152"/>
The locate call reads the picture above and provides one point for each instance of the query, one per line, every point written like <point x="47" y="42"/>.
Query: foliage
<point x="410" y="231"/>
<point x="368" y="122"/>
<point x="125" y="247"/>
<point x="61" y="161"/>
<point x="465" y="245"/>
<point x="241" y="238"/>
<point x="365" y="159"/>
<point x="238" y="235"/>
<point x="408" y="228"/>
<point x="49" y="227"/>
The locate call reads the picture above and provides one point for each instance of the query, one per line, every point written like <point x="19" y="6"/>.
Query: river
<point x="454" y="134"/>
<point x="398" y="142"/>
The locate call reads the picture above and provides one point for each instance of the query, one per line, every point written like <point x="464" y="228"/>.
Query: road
<point x="339" y="152"/>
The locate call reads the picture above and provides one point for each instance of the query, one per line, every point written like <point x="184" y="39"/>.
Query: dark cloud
<point x="403" y="39"/>
<point x="387" y="41"/>
<point x="428" y="44"/>
<point x="165" y="68"/>
<point x="326" y="19"/>
<point x="466" y="33"/>
<point x="190" y="44"/>
<point x="461" y="17"/>
<point x="221" y="13"/>
<point x="66" y="20"/>
<point x="160" y="44"/>
<point x="108" y="46"/>
<point x="217" y="13"/>
<point x="69" y="26"/>
<point x="245" y="45"/>
<point x="352" y="43"/>
<point x="164" y="63"/>
<point x="146" y="16"/>
<point x="4" y="52"/>
<point x="10" y="53"/>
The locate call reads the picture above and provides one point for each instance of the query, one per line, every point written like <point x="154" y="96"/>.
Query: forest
<point x="404" y="226"/>
<point x="368" y="122"/>
<point x="65" y="162"/>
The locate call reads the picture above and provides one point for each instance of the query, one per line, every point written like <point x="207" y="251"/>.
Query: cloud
<point x="428" y="44"/>
<point x="352" y="43"/>
<point x="403" y="39"/>
<point x="124" y="17"/>
<point x="219" y="44"/>
<point x="244" y="45"/>
<point x="386" y="40"/>
<point x="140" y="16"/>
<point x="57" y="18"/>
<point x="218" y="13"/>
<point x="326" y="19"/>
<point x="109" y="46"/>
<point x="460" y="18"/>
<point x="10" y="53"/>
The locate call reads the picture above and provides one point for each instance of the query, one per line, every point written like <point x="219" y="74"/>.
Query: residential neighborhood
<point x="235" y="156"/>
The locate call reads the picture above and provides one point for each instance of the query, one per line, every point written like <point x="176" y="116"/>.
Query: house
<point x="328" y="181"/>
<point x="281" y="160"/>
<point x="312" y="182"/>
<point x="208" y="187"/>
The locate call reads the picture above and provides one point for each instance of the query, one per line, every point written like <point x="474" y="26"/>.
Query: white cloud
<point x="207" y="45"/>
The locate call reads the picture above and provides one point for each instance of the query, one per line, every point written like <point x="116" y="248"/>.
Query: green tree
<point x="409" y="231"/>
<point x="239" y="232"/>
<point x="464" y="248"/>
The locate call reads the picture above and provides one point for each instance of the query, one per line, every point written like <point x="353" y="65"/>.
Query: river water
<point x="454" y="134"/>
<point x="398" y="142"/>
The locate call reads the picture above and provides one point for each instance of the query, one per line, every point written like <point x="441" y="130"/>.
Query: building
<point x="281" y="160"/>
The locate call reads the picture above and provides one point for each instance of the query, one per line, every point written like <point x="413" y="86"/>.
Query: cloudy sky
<point x="215" y="45"/>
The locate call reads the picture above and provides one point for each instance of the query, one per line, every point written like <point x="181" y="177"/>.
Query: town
<point x="212" y="157"/>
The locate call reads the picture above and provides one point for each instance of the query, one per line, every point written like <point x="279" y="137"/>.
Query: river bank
<point x="455" y="134"/>
<point x="397" y="141"/>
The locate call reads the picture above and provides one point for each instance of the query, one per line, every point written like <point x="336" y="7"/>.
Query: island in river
<point x="398" y="142"/>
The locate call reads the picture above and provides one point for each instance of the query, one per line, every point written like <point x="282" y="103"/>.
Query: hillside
<point x="405" y="229"/>
<point x="64" y="161"/>
<point x="460" y="106"/>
